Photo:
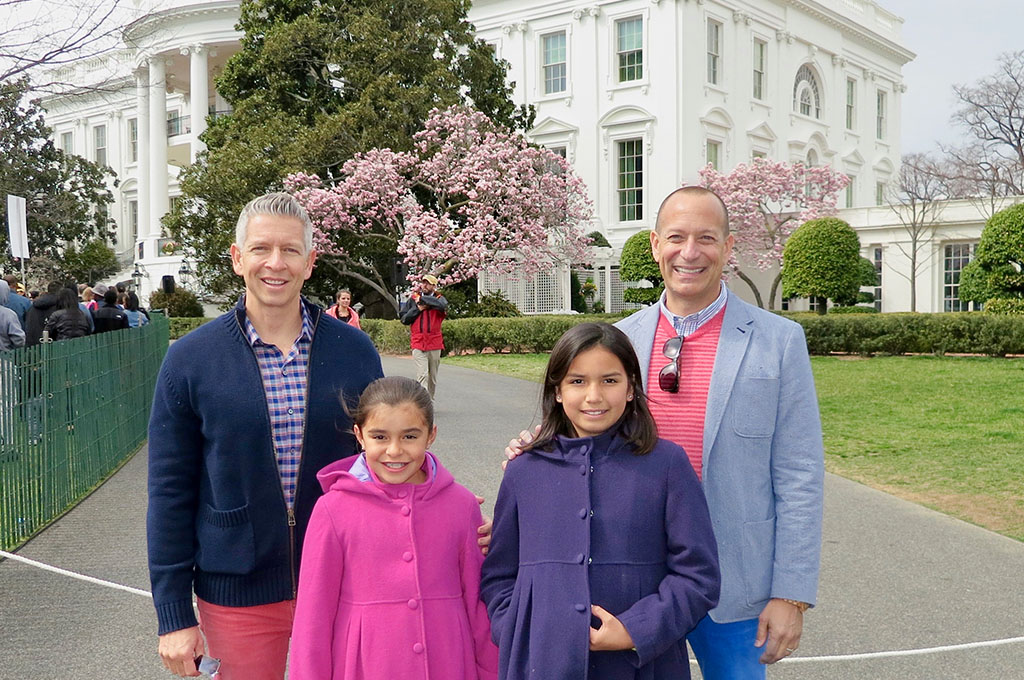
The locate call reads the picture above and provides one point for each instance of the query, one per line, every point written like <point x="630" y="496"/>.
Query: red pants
<point x="251" y="642"/>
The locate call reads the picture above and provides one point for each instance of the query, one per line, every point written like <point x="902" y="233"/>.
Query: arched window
<point x="806" y="95"/>
<point x="812" y="159"/>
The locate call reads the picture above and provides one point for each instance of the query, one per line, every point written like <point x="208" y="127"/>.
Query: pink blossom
<point x="469" y="195"/>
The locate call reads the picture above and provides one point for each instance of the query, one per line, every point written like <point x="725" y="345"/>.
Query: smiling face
<point x="274" y="263"/>
<point x="396" y="439"/>
<point x="344" y="299"/>
<point x="691" y="247"/>
<point x="594" y="391"/>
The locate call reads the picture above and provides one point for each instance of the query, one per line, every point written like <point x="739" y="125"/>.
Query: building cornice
<point x="851" y="27"/>
<point x="140" y="27"/>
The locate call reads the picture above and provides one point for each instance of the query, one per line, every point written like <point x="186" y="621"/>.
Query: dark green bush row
<point x="183" y="324"/>
<point x="516" y="334"/>
<point x="954" y="333"/>
<point x="864" y="334"/>
<point x="855" y="309"/>
<point x="1005" y="306"/>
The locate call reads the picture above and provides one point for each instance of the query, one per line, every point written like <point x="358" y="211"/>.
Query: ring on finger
<point x="790" y="649"/>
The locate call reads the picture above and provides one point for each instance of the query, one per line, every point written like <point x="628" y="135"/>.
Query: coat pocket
<point x="227" y="542"/>
<point x="756" y="405"/>
<point x="758" y="558"/>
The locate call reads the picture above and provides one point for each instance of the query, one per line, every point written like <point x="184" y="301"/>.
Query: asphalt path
<point x="895" y="576"/>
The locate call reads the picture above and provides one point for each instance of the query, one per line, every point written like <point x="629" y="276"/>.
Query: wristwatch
<point x="802" y="606"/>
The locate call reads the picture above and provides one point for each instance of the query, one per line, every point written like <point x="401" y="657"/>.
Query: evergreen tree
<point x="66" y="196"/>
<point x="317" y="81"/>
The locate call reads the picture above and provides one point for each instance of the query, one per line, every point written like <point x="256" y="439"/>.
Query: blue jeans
<point x="726" y="651"/>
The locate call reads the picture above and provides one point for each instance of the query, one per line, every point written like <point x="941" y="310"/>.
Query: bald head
<point x="694" y="193"/>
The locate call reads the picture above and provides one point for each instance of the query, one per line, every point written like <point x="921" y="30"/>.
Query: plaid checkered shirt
<point x="284" y="381"/>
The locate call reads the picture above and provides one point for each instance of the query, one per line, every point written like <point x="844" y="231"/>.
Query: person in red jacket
<point x="423" y="312"/>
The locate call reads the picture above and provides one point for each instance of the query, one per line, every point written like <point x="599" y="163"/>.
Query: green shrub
<point x="853" y="310"/>
<point x="515" y="334"/>
<point x="182" y="325"/>
<point x="996" y="270"/>
<point x="598" y="240"/>
<point x="952" y="332"/>
<point x="492" y="304"/>
<point x="1005" y="306"/>
<point x="637" y="264"/>
<point x="822" y="259"/>
<point x="179" y="303"/>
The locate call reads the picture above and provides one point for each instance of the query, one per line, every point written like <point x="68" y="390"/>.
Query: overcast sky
<point x="956" y="42"/>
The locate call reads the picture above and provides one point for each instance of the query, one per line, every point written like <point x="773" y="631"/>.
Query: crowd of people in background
<point x="64" y="311"/>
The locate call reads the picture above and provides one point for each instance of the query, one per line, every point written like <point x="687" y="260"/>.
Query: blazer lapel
<point x="737" y="327"/>
<point x="641" y="331"/>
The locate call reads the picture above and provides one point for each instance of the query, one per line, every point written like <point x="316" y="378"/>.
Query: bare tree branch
<point x="917" y="199"/>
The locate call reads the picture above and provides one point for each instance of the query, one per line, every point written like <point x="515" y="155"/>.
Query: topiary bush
<point x="179" y="303"/>
<point x="1005" y="306"/>
<point x="637" y="264"/>
<point x="821" y="259"/>
<point x="997" y="270"/>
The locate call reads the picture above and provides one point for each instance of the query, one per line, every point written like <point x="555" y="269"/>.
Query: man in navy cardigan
<point x="247" y="410"/>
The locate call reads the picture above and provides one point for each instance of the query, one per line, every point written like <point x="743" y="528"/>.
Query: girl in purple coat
<point x="389" y="586"/>
<point x="602" y="557"/>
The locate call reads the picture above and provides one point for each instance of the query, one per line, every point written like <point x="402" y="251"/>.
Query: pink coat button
<point x="407" y="557"/>
<point x="413" y="604"/>
<point x="406" y="510"/>
<point x="418" y="648"/>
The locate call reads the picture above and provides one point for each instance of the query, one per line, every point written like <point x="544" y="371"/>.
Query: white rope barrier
<point x="792" y="659"/>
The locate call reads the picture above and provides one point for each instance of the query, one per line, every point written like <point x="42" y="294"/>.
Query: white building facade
<point x="141" y="111"/>
<point x="637" y="94"/>
<point x="640" y="94"/>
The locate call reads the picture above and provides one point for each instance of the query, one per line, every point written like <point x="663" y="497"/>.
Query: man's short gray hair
<point x="278" y="204"/>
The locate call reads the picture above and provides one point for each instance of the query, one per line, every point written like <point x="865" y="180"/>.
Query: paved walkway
<point x="895" y="576"/>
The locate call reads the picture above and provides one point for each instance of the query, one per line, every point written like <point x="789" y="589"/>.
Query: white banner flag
<point x="17" y="226"/>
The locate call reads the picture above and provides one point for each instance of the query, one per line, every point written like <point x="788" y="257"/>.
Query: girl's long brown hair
<point x="637" y="427"/>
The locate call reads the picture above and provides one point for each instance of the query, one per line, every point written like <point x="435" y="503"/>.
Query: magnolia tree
<point x="469" y="195"/>
<point x="767" y="201"/>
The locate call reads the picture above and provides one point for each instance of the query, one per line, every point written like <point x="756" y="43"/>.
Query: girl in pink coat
<point x="389" y="586"/>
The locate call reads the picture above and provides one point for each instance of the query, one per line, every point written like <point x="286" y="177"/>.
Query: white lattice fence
<point x="540" y="293"/>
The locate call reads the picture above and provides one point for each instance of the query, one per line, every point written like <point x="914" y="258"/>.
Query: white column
<point x="142" y="164"/>
<point x="199" y="85"/>
<point x="158" y="201"/>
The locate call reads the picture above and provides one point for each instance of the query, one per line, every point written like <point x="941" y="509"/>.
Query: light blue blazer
<point x="763" y="461"/>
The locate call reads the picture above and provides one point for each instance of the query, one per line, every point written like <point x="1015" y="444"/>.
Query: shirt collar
<point x="305" y="334"/>
<point x="685" y="325"/>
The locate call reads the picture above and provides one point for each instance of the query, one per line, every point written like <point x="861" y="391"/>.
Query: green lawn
<point x="944" y="432"/>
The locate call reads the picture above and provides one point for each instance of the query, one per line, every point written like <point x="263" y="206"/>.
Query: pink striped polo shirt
<point x="680" y="416"/>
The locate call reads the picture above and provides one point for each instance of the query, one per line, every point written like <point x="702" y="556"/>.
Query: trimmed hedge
<point x="865" y="334"/>
<point x="516" y="335"/>
<point x="1005" y="306"/>
<point x="909" y="333"/>
<point x="180" y="325"/>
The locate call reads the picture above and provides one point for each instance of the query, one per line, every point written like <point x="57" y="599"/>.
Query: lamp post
<point x="185" y="273"/>
<point x="138" y="274"/>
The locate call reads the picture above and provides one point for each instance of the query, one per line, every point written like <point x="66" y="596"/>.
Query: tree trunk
<point x="913" y="281"/>
<point x="775" y="289"/>
<point x="757" y="293"/>
<point x="344" y="271"/>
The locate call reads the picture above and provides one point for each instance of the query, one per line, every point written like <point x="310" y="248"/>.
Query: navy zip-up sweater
<point x="217" y="521"/>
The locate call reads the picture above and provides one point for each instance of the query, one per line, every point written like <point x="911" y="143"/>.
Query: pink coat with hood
<point x="389" y="587"/>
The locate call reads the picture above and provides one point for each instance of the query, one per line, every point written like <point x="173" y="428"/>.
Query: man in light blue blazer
<point x="762" y="464"/>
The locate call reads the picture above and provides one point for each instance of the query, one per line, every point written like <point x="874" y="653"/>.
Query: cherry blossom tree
<point x="767" y="201"/>
<point x="469" y="195"/>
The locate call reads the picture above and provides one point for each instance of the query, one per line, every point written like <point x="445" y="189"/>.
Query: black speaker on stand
<point x="167" y="284"/>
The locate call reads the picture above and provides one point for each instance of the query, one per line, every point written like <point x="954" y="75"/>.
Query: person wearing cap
<point x="423" y="312"/>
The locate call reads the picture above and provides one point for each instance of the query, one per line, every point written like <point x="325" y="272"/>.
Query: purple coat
<point x="590" y="523"/>
<point x="389" y="587"/>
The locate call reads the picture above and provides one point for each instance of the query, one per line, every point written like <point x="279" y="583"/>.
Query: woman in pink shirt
<point x="341" y="310"/>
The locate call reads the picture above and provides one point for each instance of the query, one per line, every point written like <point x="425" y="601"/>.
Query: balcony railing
<point x="179" y="125"/>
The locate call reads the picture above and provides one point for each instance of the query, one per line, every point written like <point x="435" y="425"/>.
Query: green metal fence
<point x="71" y="412"/>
